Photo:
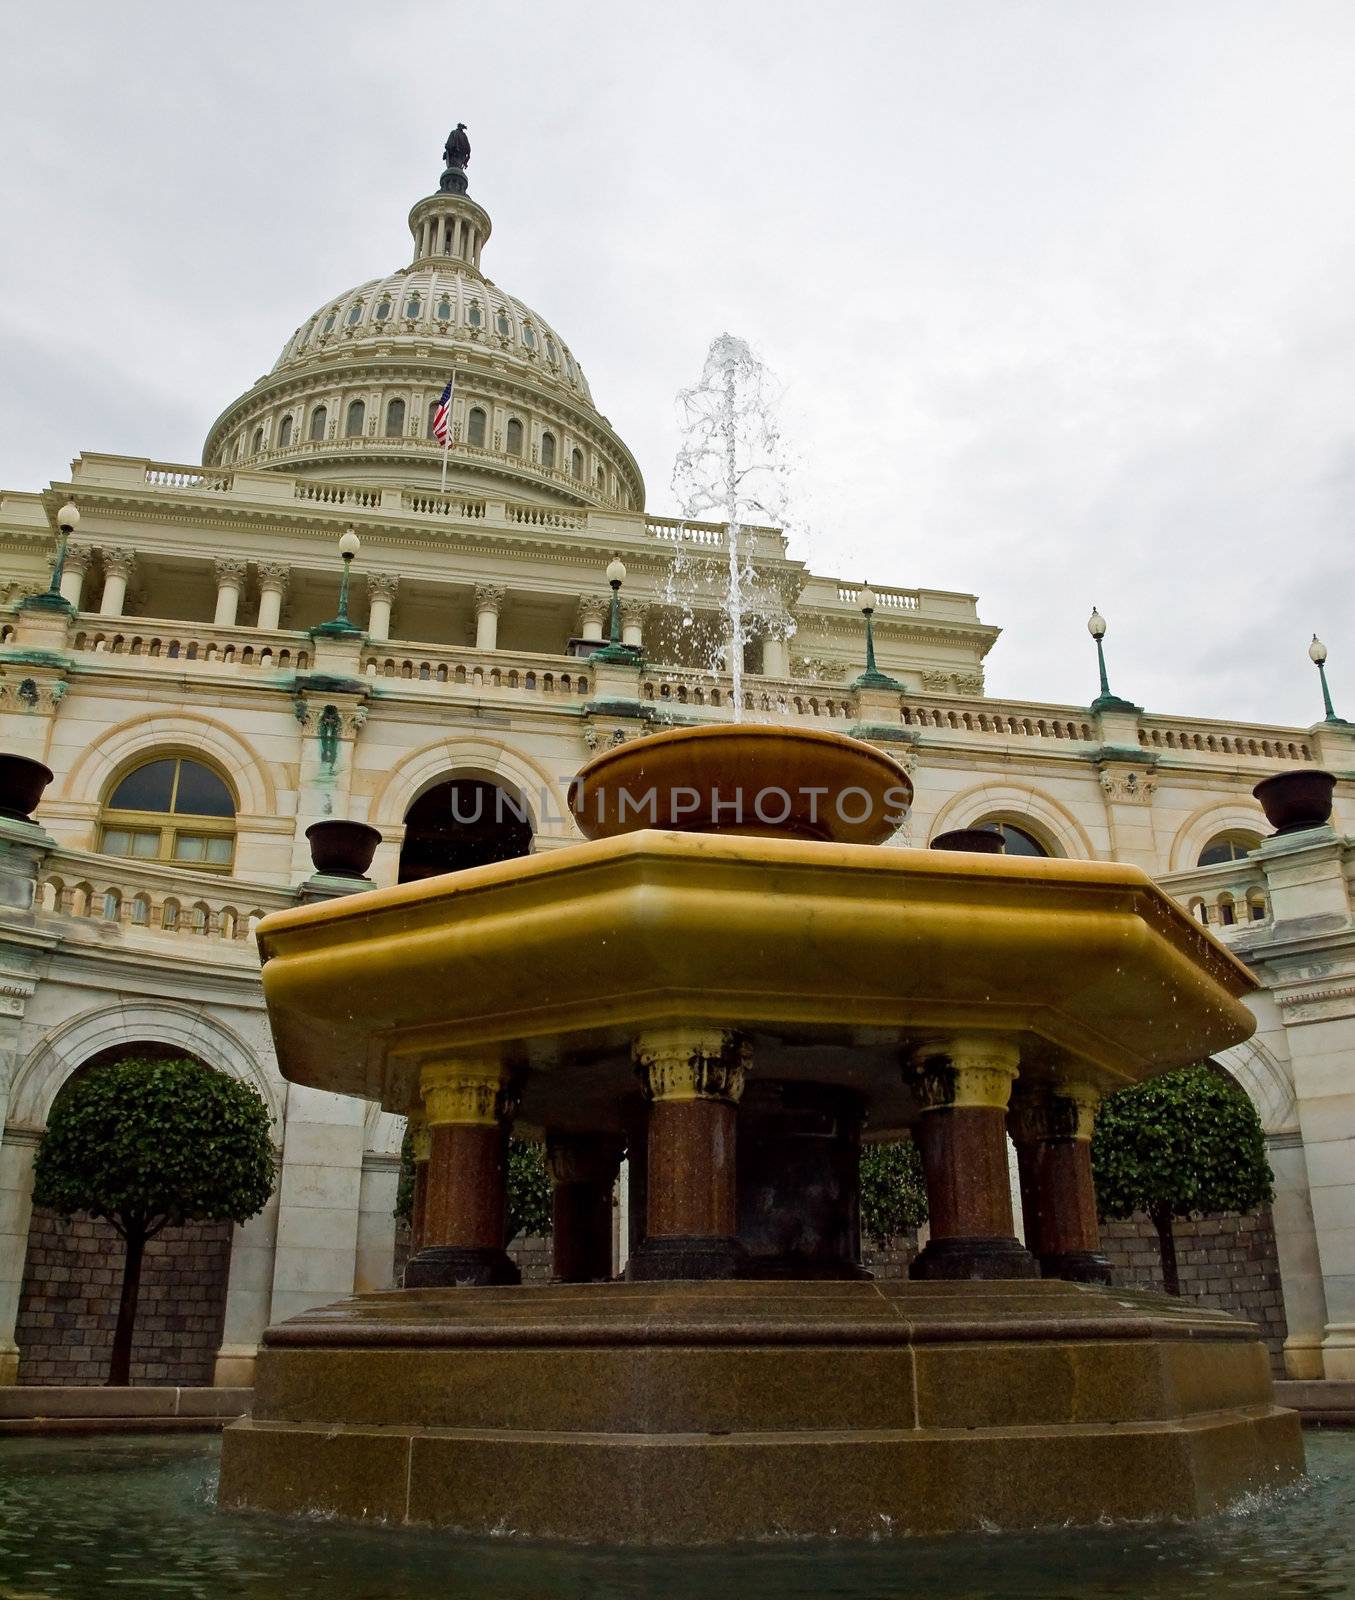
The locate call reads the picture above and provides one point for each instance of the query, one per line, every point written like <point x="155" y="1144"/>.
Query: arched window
<point x="256" y="444"/>
<point x="475" y="426"/>
<point x="356" y="420"/>
<point x="1016" y="841"/>
<point x="171" y="809"/>
<point x="576" y="464"/>
<point x="1233" y="846"/>
<point x="514" y="437"/>
<point x="285" y="434"/>
<point x="547" y="449"/>
<point x="463" y="822"/>
<point x="395" y="419"/>
<point x="319" y="423"/>
<point x="600" y="479"/>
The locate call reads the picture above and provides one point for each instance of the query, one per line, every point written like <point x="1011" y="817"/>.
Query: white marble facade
<point x="194" y="591"/>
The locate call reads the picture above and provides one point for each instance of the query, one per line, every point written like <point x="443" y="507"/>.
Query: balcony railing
<point x="145" y="900"/>
<point x="478" y="671"/>
<point x="1222" y="738"/>
<point x="201" y="643"/>
<point x="1228" y="897"/>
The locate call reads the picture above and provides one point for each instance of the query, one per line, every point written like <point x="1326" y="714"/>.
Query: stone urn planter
<point x="342" y="849"/>
<point x="982" y="841"/>
<point x="22" y="781"/>
<point x="1293" y="801"/>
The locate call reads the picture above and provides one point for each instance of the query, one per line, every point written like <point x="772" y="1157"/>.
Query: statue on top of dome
<point x="456" y="154"/>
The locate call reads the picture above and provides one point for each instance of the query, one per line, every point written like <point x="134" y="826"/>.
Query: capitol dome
<point x="353" y="393"/>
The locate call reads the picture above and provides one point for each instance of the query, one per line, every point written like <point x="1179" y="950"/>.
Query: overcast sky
<point x="1060" y="294"/>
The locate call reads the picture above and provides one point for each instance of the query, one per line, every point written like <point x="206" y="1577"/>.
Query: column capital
<point x="489" y="596"/>
<point x="420" y="1136"/>
<point x="691" y="1064"/>
<point x="119" y="561"/>
<point x="1042" y="1113"/>
<point x="78" y="558"/>
<point x="230" y="569"/>
<point x="470" y="1092"/>
<point x="592" y="608"/>
<point x="583" y="1157"/>
<point x="274" y="575"/>
<point x="635" y="610"/>
<point x="382" y="585"/>
<point x="963" y="1070"/>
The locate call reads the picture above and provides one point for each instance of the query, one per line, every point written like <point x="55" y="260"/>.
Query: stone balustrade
<point x="155" y="901"/>
<point x="885" y="599"/>
<point x="1227" y="897"/>
<point x="150" y="639"/>
<point x="1004" y="719"/>
<point x="480" y="671"/>
<point x="712" y="694"/>
<point x="1222" y="738"/>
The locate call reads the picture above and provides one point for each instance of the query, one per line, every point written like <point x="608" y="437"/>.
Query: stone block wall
<point x="69" y="1303"/>
<point x="891" y="1262"/>
<point x="1229" y="1262"/>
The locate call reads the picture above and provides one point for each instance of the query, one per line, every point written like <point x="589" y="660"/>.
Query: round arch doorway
<point x="460" y="823"/>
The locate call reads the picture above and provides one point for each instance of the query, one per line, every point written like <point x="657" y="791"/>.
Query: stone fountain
<point x="733" y="984"/>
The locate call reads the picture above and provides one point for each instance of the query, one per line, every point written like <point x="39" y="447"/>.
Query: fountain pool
<point x="81" y="1518"/>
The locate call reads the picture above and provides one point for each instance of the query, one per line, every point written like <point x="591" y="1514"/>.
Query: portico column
<point x="593" y="611"/>
<point x="488" y="601"/>
<point x="273" y="576"/>
<point x="78" y="558"/>
<point x="230" y="580"/>
<point x="633" y="622"/>
<point x="583" y="1168"/>
<point x="469" y="1109"/>
<point x="421" y="1143"/>
<point x="963" y="1082"/>
<point x="692" y="1078"/>
<point x="1051" y="1127"/>
<point x="381" y="587"/>
<point x="775" y="656"/>
<point x="118" y="565"/>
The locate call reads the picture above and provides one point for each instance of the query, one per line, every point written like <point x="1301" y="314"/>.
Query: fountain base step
<point x="695" y="1412"/>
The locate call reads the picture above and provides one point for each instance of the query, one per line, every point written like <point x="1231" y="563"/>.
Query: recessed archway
<point x="460" y="823"/>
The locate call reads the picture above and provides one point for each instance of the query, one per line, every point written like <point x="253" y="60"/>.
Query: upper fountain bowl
<point x="742" y="778"/>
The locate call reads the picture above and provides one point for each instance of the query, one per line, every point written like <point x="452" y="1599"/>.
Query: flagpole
<point x="447" y="434"/>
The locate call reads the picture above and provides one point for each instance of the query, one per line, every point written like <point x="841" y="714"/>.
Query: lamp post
<point x="51" y="598"/>
<point x="872" y="677"/>
<point x="1096" y="626"/>
<point x="342" y="627"/>
<point x="1317" y="654"/>
<point x="614" y="650"/>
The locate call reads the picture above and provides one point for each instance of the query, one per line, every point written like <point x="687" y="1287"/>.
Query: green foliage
<point x="142" y="1143"/>
<point x="1186" y="1143"/>
<point x="893" y="1191"/>
<point x="528" y="1188"/>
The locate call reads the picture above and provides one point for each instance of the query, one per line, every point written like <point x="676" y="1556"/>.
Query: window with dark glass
<point x="395" y="419"/>
<point x="1016" y="841"/>
<point x="475" y="426"/>
<point x="356" y="420"/>
<point x="285" y="433"/>
<point x="355" y="315"/>
<point x="413" y="307"/>
<point x="171" y="809"/>
<point x="383" y="310"/>
<point x="1228" y="847"/>
<point x="474" y="315"/>
<point x="502" y="323"/>
<point x="576" y="464"/>
<point x="444" y="311"/>
<point x="547" y="449"/>
<point x="514" y="437"/>
<point x="319" y="422"/>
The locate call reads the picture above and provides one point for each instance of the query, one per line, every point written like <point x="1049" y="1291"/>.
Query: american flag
<point x="442" y="414"/>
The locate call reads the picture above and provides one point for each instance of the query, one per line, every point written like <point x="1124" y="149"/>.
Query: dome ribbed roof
<point x="451" y="308"/>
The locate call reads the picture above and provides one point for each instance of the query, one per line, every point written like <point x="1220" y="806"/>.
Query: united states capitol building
<point x="198" y="716"/>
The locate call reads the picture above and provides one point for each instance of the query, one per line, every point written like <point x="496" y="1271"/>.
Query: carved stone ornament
<point x="682" y="1065"/>
<point x="593" y="608"/>
<point x="383" y="585"/>
<point x="274" y="575"/>
<point x="1130" y="787"/>
<point x="230" y="569"/>
<point x="489" y="596"/>
<point x="118" y="561"/>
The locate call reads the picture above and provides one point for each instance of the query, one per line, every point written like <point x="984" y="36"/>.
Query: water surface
<point x="128" y="1515"/>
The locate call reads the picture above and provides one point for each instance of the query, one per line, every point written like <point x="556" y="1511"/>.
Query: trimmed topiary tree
<point x="893" y="1190"/>
<point x="1188" y="1143"/>
<point x="528" y="1188"/>
<point x="144" y="1143"/>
